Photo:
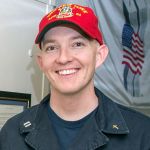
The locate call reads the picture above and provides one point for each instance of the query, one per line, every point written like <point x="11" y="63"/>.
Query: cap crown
<point x="81" y="16"/>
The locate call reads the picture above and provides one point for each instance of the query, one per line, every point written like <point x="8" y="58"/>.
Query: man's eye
<point x="50" y="48"/>
<point x="78" y="44"/>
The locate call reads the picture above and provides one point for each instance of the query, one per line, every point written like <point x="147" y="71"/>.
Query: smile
<point x="67" y="71"/>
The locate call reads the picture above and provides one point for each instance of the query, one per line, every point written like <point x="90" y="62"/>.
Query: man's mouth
<point x="67" y="71"/>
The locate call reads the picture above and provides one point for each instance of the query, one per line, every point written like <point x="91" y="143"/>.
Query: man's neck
<point x="74" y="107"/>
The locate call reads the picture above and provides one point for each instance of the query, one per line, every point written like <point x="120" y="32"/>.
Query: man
<point x="75" y="116"/>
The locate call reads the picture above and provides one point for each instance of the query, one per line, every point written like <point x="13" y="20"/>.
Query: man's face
<point x="68" y="59"/>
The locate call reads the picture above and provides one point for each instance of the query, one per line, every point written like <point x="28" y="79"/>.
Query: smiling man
<point x="75" y="115"/>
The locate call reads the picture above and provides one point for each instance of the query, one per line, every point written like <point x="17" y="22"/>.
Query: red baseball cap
<point x="81" y="16"/>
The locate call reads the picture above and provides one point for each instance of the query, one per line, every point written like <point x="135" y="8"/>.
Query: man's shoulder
<point x="133" y="117"/>
<point x="129" y="114"/>
<point x="28" y="114"/>
<point x="15" y="120"/>
<point x="135" y="120"/>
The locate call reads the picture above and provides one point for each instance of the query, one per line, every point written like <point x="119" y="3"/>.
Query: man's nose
<point x="64" y="56"/>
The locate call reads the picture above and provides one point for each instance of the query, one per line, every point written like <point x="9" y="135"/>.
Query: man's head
<point x="80" y="16"/>
<point x="70" y="49"/>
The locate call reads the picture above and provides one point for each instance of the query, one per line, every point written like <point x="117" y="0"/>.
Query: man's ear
<point x="102" y="52"/>
<point x="39" y="60"/>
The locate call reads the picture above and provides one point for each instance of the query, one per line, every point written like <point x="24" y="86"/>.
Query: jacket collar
<point x="38" y="129"/>
<point x="30" y="122"/>
<point x="109" y="119"/>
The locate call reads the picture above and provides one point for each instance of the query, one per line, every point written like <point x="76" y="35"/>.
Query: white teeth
<point x="67" y="72"/>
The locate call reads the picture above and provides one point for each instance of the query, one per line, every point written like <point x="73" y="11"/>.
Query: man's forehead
<point x="64" y="30"/>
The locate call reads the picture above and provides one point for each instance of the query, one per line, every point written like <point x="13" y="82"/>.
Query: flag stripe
<point x="134" y="70"/>
<point x="135" y="64"/>
<point x="135" y="55"/>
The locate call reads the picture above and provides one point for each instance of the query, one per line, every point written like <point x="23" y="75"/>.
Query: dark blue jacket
<point x="115" y="127"/>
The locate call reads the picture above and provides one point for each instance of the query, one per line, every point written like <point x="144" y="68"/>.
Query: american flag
<point x="133" y="50"/>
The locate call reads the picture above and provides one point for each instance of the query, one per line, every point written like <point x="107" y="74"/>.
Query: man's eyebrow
<point x="83" y="36"/>
<point x="45" y="41"/>
<point x="78" y="37"/>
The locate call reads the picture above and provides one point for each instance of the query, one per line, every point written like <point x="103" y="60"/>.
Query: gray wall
<point x="18" y="27"/>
